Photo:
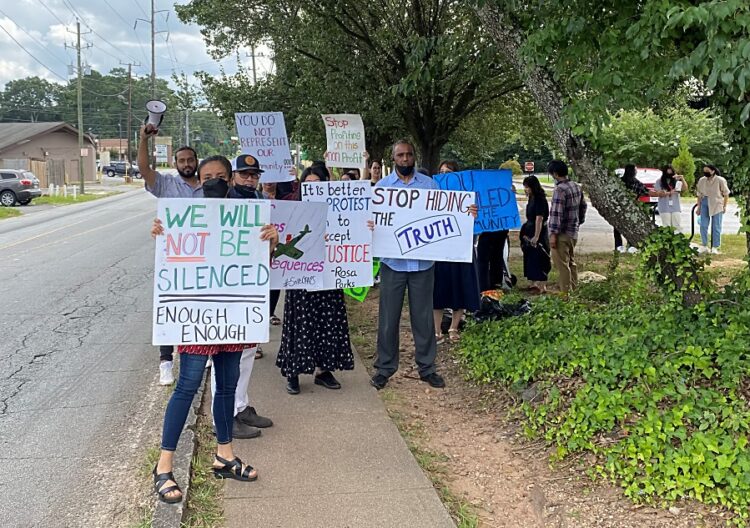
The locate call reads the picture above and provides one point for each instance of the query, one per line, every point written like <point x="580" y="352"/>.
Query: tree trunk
<point x="605" y="191"/>
<point x="429" y="156"/>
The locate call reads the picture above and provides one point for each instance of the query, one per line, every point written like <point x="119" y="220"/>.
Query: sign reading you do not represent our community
<point x="422" y="224"/>
<point x="211" y="279"/>
<point x="263" y="135"/>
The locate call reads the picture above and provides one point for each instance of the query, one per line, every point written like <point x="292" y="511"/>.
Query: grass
<point x="9" y="212"/>
<point x="204" y="505"/>
<point x="67" y="200"/>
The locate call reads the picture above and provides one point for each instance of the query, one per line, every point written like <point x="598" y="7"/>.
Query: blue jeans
<point x="715" y="225"/>
<point x="227" y="370"/>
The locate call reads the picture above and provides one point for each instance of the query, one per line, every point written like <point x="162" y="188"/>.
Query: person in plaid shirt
<point x="565" y="216"/>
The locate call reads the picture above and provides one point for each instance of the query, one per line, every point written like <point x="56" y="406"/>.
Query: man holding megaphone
<point x="186" y="185"/>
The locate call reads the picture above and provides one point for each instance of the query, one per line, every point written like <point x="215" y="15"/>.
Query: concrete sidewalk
<point x="332" y="459"/>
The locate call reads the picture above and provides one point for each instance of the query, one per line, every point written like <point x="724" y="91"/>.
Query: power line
<point x="52" y="13"/>
<point x="43" y="46"/>
<point x="140" y="42"/>
<point x="32" y="55"/>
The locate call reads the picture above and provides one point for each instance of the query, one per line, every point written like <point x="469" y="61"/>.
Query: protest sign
<point x="263" y="136"/>
<point x="345" y="139"/>
<point x="360" y="293"/>
<point x="423" y="224"/>
<point x="348" y="239"/>
<point x="211" y="278"/>
<point x="498" y="209"/>
<point x="299" y="260"/>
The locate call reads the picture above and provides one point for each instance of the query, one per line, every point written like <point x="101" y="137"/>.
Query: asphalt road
<point x="79" y="404"/>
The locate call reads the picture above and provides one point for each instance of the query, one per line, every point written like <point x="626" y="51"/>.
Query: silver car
<point x="18" y="186"/>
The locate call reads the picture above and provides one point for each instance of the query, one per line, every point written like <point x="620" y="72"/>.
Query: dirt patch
<point x="484" y="460"/>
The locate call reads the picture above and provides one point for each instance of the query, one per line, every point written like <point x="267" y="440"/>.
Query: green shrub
<point x="684" y="164"/>
<point x="660" y="393"/>
<point x="513" y="165"/>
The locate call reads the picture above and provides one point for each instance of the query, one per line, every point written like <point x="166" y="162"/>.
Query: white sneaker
<point x="703" y="249"/>
<point x="632" y="250"/>
<point x="165" y="373"/>
<point x="715" y="251"/>
<point x="621" y="249"/>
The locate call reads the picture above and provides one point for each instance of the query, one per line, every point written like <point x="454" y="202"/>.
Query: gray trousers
<point x="392" y="287"/>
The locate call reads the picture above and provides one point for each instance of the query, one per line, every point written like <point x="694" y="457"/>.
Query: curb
<point x="171" y="515"/>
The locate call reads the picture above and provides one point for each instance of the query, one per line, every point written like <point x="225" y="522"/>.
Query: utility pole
<point x="255" y="76"/>
<point x="79" y="69"/>
<point x="128" y="156"/>
<point x="188" y="106"/>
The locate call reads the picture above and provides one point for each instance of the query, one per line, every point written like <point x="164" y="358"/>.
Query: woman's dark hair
<point x="714" y="168"/>
<point x="668" y="180"/>
<point x="629" y="176"/>
<point x="221" y="159"/>
<point x="451" y="164"/>
<point x="558" y="167"/>
<point x="532" y="182"/>
<point x="319" y="170"/>
<point x="373" y="162"/>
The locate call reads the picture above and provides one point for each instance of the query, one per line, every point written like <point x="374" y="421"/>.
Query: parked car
<point x="118" y="168"/>
<point x="18" y="186"/>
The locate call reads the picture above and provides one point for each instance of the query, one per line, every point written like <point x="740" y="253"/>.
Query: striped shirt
<point x="564" y="215"/>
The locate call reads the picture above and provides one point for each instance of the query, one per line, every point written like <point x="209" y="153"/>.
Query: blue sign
<point x="498" y="210"/>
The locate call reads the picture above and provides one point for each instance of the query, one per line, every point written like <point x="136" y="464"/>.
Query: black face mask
<point x="215" y="188"/>
<point x="404" y="171"/>
<point x="707" y="174"/>
<point x="246" y="191"/>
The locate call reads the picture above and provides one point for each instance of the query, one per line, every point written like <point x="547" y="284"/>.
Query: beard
<point x="187" y="172"/>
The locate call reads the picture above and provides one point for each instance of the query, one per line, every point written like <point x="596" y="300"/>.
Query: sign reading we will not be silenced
<point x="498" y="209"/>
<point x="299" y="260"/>
<point x="423" y="224"/>
<point x="263" y="135"/>
<point x="348" y="239"/>
<point x="211" y="277"/>
<point x="345" y="140"/>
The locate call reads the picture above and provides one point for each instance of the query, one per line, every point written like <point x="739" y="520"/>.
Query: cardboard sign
<point x="211" y="275"/>
<point x="422" y="224"/>
<point x="348" y="239"/>
<point x="345" y="140"/>
<point x="263" y="136"/>
<point x="498" y="209"/>
<point x="298" y="262"/>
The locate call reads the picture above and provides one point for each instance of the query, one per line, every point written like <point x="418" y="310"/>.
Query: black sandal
<point x="233" y="469"/>
<point x="160" y="480"/>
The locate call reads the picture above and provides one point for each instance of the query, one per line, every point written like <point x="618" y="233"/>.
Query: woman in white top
<point x="668" y="189"/>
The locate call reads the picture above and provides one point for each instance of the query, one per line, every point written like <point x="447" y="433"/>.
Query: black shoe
<point x="379" y="381"/>
<point x="249" y="417"/>
<point x="327" y="380"/>
<point x="434" y="379"/>
<point x="292" y="385"/>
<point x="241" y="430"/>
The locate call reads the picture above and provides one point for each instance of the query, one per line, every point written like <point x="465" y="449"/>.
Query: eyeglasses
<point x="246" y="175"/>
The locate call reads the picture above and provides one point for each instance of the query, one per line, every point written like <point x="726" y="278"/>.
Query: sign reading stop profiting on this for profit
<point x="345" y="139"/>
<point x="263" y="135"/>
<point x="211" y="276"/>
<point x="422" y="224"/>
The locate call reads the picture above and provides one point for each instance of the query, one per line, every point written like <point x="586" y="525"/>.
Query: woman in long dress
<point x="534" y="236"/>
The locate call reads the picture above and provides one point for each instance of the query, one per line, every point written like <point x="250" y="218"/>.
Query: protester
<point x="455" y="287"/>
<point x="350" y="175"/>
<point x="490" y="260"/>
<point x="215" y="174"/>
<point x="633" y="185"/>
<point x="668" y="189"/>
<point x="375" y="171"/>
<point x="567" y="211"/>
<point x="396" y="276"/>
<point x="315" y="334"/>
<point x="534" y="237"/>
<point x="185" y="185"/>
<point x="713" y="195"/>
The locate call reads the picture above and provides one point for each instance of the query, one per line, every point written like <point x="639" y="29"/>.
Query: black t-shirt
<point x="536" y="207"/>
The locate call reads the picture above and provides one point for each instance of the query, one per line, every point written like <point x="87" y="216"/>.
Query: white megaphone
<point x="156" y="110"/>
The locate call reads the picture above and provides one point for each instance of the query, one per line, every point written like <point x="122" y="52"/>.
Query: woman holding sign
<point x="315" y="335"/>
<point x="456" y="286"/>
<point x="534" y="237"/>
<point x="215" y="175"/>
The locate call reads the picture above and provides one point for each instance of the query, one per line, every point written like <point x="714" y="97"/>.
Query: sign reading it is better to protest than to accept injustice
<point x="263" y="136"/>
<point x="345" y="140"/>
<point x="422" y="224"/>
<point x="348" y="239"/>
<point x="211" y="278"/>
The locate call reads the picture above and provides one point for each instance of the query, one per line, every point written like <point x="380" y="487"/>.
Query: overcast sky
<point x="43" y="27"/>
